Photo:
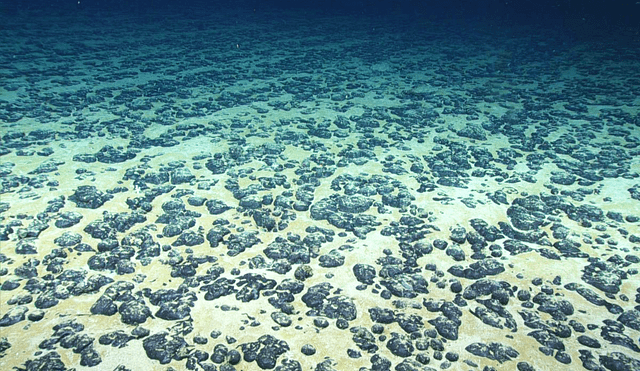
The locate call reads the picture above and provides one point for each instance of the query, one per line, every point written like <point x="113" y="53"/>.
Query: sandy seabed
<point x="316" y="192"/>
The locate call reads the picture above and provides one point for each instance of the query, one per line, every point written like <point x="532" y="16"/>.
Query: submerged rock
<point x="89" y="197"/>
<point x="13" y="316"/>
<point x="265" y="351"/>
<point x="164" y="347"/>
<point x="494" y="351"/>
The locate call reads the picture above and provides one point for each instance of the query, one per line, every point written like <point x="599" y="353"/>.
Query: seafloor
<point x="256" y="191"/>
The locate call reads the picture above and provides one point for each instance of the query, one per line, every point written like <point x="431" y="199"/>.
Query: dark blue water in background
<point x="596" y="14"/>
